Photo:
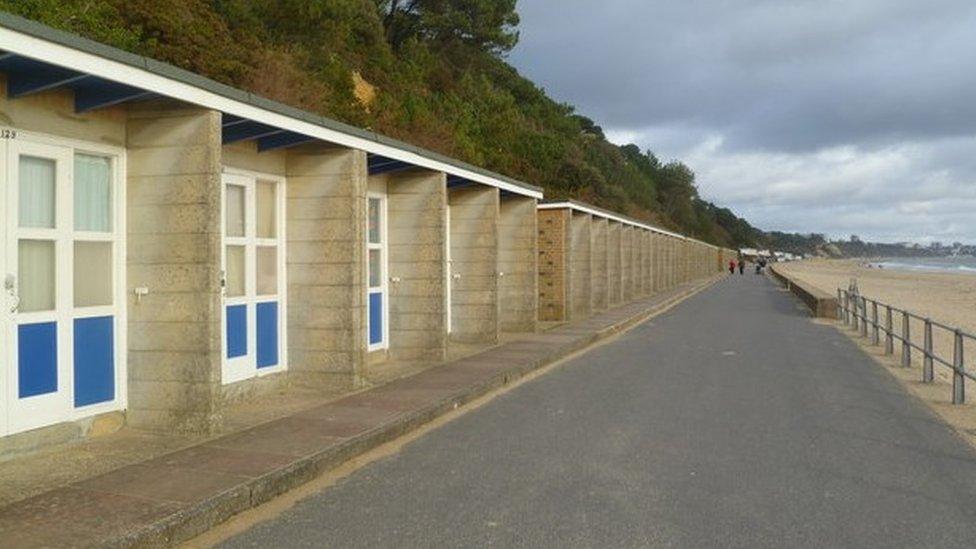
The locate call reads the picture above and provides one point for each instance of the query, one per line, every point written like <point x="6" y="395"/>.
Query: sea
<point x="958" y="264"/>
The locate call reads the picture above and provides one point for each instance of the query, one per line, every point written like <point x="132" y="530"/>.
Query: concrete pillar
<point x="675" y="262"/>
<point x="518" y="252"/>
<point x="599" y="233"/>
<point x="668" y="262"/>
<point x="173" y="245"/>
<point x="326" y="264"/>
<point x="474" y="264"/>
<point x="656" y="261"/>
<point x="613" y="263"/>
<point x="627" y="263"/>
<point x="648" y="263"/>
<point x="417" y="217"/>
<point x="638" y="262"/>
<point x="581" y="305"/>
<point x="555" y="282"/>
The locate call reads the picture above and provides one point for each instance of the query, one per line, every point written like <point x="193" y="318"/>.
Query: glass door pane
<point x="92" y="193"/>
<point x="267" y="270"/>
<point x="93" y="273"/>
<point x="235" y="208"/>
<point x="37" y="272"/>
<point x="267" y="205"/>
<point x="37" y="192"/>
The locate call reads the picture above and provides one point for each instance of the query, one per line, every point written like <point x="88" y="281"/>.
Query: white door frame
<point x="384" y="287"/>
<point x="18" y="414"/>
<point x="448" y="269"/>
<point x="245" y="367"/>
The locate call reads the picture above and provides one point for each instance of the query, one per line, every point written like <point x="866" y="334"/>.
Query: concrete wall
<point x="518" y="256"/>
<point x="627" y="263"/>
<point x="638" y="262"/>
<point x="173" y="248"/>
<point x="614" y="274"/>
<point x="474" y="264"/>
<point x="555" y="282"/>
<point x="599" y="234"/>
<point x="326" y="265"/>
<point x="417" y="215"/>
<point x="581" y="305"/>
<point x="53" y="112"/>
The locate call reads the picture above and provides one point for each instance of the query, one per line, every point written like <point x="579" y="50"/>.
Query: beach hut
<point x="173" y="245"/>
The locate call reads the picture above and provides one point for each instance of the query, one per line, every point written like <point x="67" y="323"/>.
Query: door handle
<point x="10" y="284"/>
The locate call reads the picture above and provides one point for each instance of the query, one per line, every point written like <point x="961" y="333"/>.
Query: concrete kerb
<point x="199" y="517"/>
<point x="820" y="303"/>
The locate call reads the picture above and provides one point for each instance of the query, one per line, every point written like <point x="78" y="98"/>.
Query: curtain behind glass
<point x="36" y="190"/>
<point x="93" y="193"/>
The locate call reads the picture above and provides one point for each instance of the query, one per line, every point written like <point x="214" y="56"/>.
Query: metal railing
<point x="862" y="314"/>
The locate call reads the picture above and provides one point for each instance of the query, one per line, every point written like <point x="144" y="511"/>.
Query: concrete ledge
<point x="821" y="304"/>
<point x="301" y="447"/>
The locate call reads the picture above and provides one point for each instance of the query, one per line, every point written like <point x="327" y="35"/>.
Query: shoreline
<point x="918" y="264"/>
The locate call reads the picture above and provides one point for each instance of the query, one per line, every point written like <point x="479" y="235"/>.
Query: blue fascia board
<point x="282" y="140"/>
<point x="379" y="164"/>
<point x="26" y="76"/>
<point x="245" y="130"/>
<point x="96" y="93"/>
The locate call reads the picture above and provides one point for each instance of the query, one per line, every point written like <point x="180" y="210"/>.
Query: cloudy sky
<point x="843" y="117"/>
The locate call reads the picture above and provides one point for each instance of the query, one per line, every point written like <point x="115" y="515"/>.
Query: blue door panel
<point x="37" y="359"/>
<point x="375" y="318"/>
<point x="236" y="331"/>
<point x="94" y="360"/>
<point x="267" y="325"/>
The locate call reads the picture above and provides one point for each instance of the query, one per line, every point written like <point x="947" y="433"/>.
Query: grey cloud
<point x="778" y="75"/>
<point x="805" y="115"/>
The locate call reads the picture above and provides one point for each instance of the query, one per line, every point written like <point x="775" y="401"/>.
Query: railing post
<point x="864" y="317"/>
<point x="847" y="307"/>
<point x="840" y="304"/>
<point x="889" y="332"/>
<point x="906" y="339"/>
<point x="854" y="306"/>
<point x="958" y="380"/>
<point x="875" y="335"/>
<point x="927" y="371"/>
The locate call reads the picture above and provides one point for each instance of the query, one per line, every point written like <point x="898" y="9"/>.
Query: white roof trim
<point x="607" y="215"/>
<point x="610" y="216"/>
<point x="57" y="54"/>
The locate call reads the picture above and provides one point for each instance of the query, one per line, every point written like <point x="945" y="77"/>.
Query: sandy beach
<point x="949" y="298"/>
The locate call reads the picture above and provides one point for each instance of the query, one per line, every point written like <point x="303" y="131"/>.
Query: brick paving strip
<point x="172" y="498"/>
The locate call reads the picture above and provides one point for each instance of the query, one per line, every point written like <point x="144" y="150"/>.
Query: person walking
<point x="731" y="266"/>
<point x="742" y="266"/>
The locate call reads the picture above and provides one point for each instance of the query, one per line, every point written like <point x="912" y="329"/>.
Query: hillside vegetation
<point x="430" y="72"/>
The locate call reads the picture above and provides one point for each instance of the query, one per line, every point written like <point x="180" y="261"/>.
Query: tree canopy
<point x="430" y="72"/>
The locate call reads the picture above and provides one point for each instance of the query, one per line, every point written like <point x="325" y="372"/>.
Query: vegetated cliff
<point x="430" y="72"/>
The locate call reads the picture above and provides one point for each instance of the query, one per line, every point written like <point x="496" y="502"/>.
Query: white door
<point x="449" y="271"/>
<point x="253" y="275"/>
<point x="60" y="274"/>
<point x="376" y="266"/>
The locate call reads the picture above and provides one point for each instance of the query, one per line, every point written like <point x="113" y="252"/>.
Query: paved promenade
<point x="731" y="421"/>
<point x="173" y="497"/>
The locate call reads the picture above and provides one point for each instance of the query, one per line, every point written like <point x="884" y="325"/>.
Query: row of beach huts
<point x="172" y="246"/>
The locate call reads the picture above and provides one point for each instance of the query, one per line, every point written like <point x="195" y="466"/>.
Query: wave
<point x="947" y="267"/>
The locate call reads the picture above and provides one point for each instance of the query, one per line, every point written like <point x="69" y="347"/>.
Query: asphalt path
<point x="733" y="420"/>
